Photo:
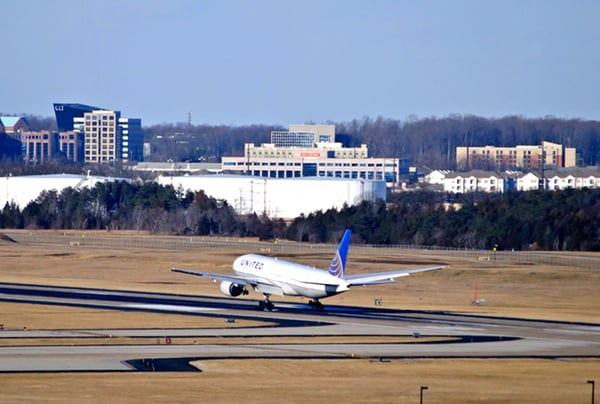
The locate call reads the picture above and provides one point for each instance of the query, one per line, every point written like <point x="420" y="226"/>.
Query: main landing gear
<point x="315" y="304"/>
<point x="266" y="305"/>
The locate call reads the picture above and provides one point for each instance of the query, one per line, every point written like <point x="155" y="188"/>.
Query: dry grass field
<point x="511" y="290"/>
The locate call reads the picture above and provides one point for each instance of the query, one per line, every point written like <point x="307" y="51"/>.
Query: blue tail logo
<point x="338" y="263"/>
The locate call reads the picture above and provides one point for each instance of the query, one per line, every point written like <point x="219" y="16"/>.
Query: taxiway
<point x="292" y="331"/>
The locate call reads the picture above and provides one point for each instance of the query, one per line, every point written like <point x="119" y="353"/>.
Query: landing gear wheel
<point x="315" y="304"/>
<point x="266" y="305"/>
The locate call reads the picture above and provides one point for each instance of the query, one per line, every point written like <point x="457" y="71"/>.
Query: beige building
<point x="519" y="157"/>
<point x="39" y="147"/>
<point x="311" y="151"/>
<point x="102" y="135"/>
<point x="323" y="133"/>
<point x="42" y="146"/>
<point x="324" y="150"/>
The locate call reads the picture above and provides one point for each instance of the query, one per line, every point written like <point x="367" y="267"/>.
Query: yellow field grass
<point x="299" y="381"/>
<point x="509" y="290"/>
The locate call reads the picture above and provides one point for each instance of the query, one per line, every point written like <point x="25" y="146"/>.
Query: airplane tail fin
<point x="338" y="263"/>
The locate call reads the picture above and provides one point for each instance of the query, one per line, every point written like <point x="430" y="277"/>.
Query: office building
<point x="10" y="147"/>
<point x="102" y="136"/>
<point x="66" y="114"/>
<point x="71" y="146"/>
<point x="132" y="140"/>
<point x="311" y="151"/>
<point x="108" y="137"/>
<point x="303" y="136"/>
<point x="39" y="147"/>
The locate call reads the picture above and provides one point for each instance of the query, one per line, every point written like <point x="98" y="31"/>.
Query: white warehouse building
<point x="22" y="190"/>
<point x="281" y="198"/>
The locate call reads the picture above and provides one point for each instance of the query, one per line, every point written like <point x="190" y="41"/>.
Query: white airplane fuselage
<point x="282" y="277"/>
<point x="272" y="276"/>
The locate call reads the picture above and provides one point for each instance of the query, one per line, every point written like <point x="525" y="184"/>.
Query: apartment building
<point x="476" y="181"/>
<point x="518" y="157"/>
<point x="490" y="181"/>
<point x="588" y="177"/>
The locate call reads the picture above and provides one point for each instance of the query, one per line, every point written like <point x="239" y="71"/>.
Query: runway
<point x="293" y="331"/>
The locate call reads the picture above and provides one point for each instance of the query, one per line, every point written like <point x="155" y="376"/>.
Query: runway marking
<point x="170" y="307"/>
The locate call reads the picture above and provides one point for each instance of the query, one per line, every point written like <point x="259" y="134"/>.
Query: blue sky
<point x="238" y="62"/>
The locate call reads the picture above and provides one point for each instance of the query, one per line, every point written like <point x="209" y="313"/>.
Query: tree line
<point x="428" y="141"/>
<point x="558" y="220"/>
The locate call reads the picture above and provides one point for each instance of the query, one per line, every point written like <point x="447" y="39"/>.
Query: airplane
<point x="272" y="276"/>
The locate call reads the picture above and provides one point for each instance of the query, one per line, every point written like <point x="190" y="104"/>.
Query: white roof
<point x="24" y="189"/>
<point x="280" y="197"/>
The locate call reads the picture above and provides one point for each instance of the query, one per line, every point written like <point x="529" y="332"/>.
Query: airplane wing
<point x="384" y="277"/>
<point x="258" y="284"/>
<point x="218" y="277"/>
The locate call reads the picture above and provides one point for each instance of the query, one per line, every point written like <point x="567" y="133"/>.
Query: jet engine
<point x="232" y="289"/>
